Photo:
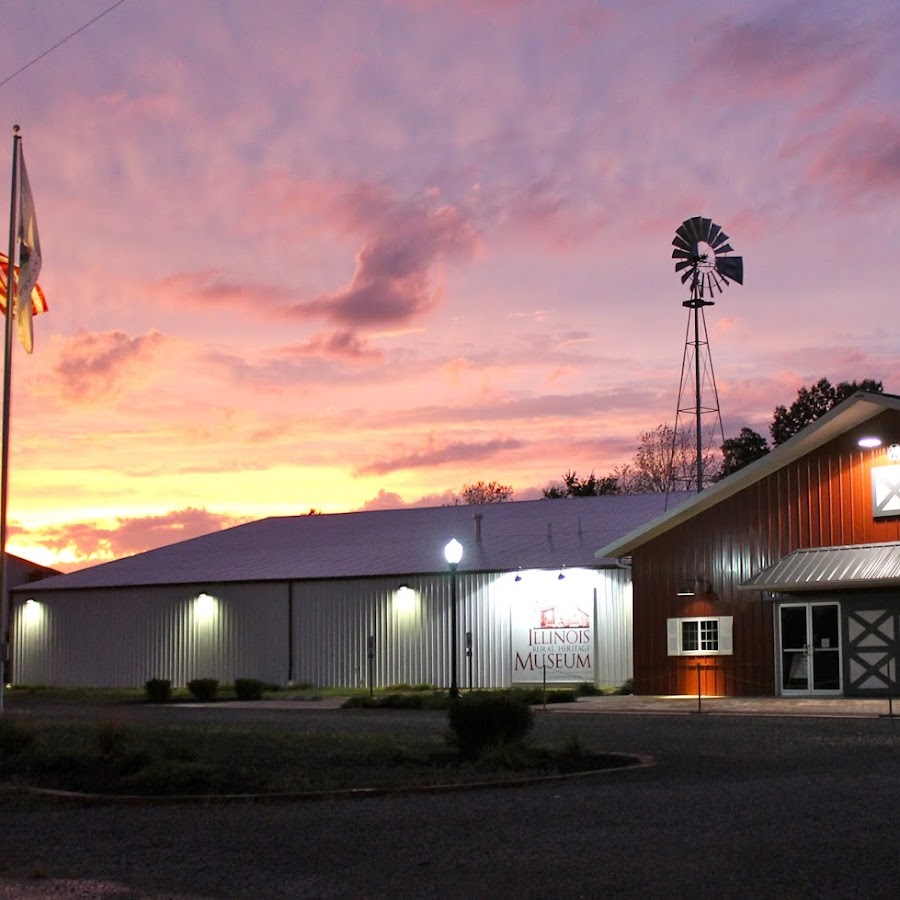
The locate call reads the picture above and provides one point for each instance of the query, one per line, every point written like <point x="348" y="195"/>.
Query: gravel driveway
<point x="735" y="807"/>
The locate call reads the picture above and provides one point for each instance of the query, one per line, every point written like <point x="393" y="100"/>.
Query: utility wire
<point x="60" y="43"/>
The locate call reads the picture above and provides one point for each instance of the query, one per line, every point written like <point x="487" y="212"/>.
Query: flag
<point x="38" y="300"/>
<point x="29" y="257"/>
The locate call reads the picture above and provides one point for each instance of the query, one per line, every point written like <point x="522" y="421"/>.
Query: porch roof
<point x="831" y="569"/>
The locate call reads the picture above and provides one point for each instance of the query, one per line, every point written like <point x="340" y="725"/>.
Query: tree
<point x="738" y="452"/>
<point x="573" y="486"/>
<point x="812" y="403"/>
<point x="656" y="469"/>
<point x="490" y="492"/>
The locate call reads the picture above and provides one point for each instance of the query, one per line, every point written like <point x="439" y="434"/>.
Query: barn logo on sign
<point x="556" y="642"/>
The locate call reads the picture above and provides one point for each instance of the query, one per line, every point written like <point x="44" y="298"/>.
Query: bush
<point x="248" y="688"/>
<point x="627" y="687"/>
<point x="159" y="690"/>
<point x="483" y="721"/>
<point x="204" y="689"/>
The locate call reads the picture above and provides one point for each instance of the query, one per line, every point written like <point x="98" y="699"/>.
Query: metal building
<point x="350" y="600"/>
<point x="782" y="578"/>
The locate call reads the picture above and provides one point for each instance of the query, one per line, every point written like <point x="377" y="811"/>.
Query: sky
<point x="354" y="254"/>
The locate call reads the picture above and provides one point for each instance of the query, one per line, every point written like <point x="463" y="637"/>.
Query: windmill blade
<point x="693" y="225"/>
<point x="685" y="233"/>
<point x="683" y="265"/>
<point x="705" y="225"/>
<point x="720" y="239"/>
<point x="714" y="233"/>
<point x="682" y="243"/>
<point x="683" y="254"/>
<point x="691" y="271"/>
<point x="731" y="267"/>
<point x="727" y="248"/>
<point x="713" y="283"/>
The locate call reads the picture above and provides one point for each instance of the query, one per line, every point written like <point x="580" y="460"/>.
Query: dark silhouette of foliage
<point x="738" y="452"/>
<point x="812" y="403"/>
<point x="489" y="492"/>
<point x="573" y="486"/>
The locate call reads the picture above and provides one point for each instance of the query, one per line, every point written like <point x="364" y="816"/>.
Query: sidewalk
<point x="831" y="707"/>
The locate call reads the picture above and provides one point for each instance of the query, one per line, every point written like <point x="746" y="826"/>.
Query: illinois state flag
<point x="29" y="258"/>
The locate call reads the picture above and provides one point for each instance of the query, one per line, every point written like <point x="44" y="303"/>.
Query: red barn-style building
<point x="783" y="578"/>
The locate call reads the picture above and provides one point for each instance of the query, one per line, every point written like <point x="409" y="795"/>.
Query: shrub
<point x="159" y="690"/>
<point x="248" y="688"/>
<point x="204" y="689"/>
<point x="627" y="687"/>
<point x="111" y="739"/>
<point x="482" y="721"/>
<point x="588" y="689"/>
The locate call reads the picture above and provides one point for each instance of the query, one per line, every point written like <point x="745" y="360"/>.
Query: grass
<point x="115" y="757"/>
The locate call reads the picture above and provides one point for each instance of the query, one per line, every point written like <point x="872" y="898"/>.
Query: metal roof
<point x="854" y="411"/>
<point x="831" y="569"/>
<point x="535" y="534"/>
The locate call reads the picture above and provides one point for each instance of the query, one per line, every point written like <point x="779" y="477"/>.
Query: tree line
<point x="665" y="458"/>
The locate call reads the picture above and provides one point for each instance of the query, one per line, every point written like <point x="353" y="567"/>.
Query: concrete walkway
<point x="830" y="707"/>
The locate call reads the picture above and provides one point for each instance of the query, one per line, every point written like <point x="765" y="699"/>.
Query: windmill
<point x="701" y="251"/>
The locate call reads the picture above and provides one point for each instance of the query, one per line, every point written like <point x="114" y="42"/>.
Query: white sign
<point x="552" y="630"/>
<point x="885" y="491"/>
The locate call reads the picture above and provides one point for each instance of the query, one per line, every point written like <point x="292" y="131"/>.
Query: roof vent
<point x="478" y="517"/>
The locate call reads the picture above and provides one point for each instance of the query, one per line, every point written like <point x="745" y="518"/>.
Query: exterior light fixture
<point x="869" y="442"/>
<point x="693" y="587"/>
<point x="893" y="452"/>
<point x="453" y="554"/>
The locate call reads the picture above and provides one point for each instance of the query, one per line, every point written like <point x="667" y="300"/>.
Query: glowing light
<point x="893" y="452"/>
<point x="33" y="612"/>
<point x="869" y="441"/>
<point x="204" y="607"/>
<point x="405" y="601"/>
<point x="453" y="552"/>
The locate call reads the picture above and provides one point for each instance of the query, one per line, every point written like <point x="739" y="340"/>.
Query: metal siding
<point x="120" y="638"/>
<point x="822" y="499"/>
<point x="334" y="619"/>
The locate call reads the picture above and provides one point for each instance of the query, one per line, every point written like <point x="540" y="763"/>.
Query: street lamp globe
<point x="453" y="552"/>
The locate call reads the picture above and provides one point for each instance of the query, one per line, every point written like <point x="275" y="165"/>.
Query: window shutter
<point x="672" y="636"/>
<point x="725" y="630"/>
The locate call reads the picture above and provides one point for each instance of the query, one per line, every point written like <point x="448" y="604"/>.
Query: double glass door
<point x="810" y="646"/>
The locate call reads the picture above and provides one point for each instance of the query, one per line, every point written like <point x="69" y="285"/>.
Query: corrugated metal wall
<point x="120" y="638"/>
<point x="823" y="499"/>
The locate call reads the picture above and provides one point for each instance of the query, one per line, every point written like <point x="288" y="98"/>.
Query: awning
<point x="831" y="569"/>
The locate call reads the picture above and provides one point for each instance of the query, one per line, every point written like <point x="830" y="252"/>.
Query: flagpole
<point x="7" y="391"/>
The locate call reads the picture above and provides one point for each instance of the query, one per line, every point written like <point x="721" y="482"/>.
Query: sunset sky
<point x="351" y="254"/>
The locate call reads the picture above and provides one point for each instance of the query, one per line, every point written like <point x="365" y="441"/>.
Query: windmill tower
<point x="701" y="254"/>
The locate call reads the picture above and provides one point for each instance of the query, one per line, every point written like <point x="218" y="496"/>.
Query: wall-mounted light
<point x="405" y="601"/>
<point x="693" y="587"/>
<point x="869" y="441"/>
<point x="204" y="607"/>
<point x="893" y="453"/>
<point x="32" y="612"/>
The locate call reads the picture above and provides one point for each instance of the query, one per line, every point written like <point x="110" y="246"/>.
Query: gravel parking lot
<point x="735" y="806"/>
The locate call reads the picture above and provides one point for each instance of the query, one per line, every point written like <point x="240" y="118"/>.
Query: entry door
<point x="810" y="648"/>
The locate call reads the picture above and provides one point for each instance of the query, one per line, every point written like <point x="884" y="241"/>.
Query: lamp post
<point x="453" y="554"/>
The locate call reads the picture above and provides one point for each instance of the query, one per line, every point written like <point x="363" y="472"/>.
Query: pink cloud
<point x="393" y="280"/>
<point x="90" y="542"/>
<point x="861" y="159"/>
<point x="439" y="455"/>
<point x="94" y="365"/>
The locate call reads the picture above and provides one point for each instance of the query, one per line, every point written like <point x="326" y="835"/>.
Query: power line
<point x="60" y="43"/>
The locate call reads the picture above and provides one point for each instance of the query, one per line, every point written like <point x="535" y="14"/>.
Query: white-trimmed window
<point x="701" y="636"/>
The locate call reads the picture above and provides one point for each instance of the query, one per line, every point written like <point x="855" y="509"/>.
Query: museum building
<point x="783" y="578"/>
